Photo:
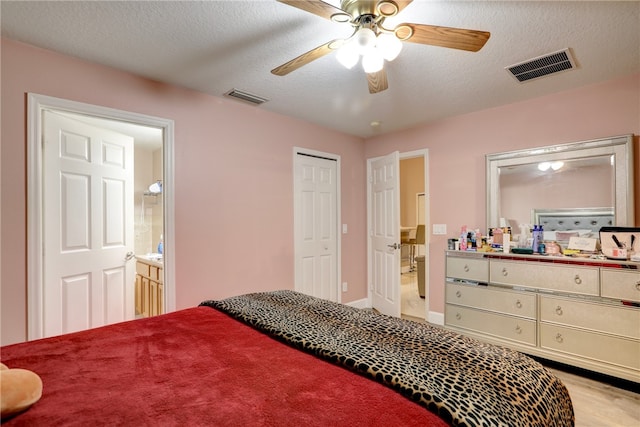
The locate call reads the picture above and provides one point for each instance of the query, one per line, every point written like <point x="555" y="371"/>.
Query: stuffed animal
<point x="19" y="389"/>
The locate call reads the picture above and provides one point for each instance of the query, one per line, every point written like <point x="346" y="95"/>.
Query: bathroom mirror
<point x="586" y="175"/>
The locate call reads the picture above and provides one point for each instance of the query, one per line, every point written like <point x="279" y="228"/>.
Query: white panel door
<point x="315" y="216"/>
<point x="385" y="234"/>
<point x="87" y="226"/>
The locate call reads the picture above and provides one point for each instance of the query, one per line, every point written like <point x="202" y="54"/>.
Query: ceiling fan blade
<point x="317" y="7"/>
<point x="305" y="58"/>
<point x="455" y="38"/>
<point x="402" y="4"/>
<point x="377" y="81"/>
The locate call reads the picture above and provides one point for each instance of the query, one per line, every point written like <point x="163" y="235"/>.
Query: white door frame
<point x="36" y="104"/>
<point x="424" y="153"/>
<point x="328" y="156"/>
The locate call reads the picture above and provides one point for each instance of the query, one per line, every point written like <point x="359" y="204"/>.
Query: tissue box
<point x="619" y="242"/>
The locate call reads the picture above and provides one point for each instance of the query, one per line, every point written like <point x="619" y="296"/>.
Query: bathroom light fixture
<point x="156" y="187"/>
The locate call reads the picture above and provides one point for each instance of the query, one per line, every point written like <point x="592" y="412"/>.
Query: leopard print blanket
<point x="464" y="381"/>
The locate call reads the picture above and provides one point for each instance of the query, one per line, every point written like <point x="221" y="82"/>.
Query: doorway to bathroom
<point x="81" y="215"/>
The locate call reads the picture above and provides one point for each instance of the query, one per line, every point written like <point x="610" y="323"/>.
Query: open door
<point x="88" y="231"/>
<point x="384" y="233"/>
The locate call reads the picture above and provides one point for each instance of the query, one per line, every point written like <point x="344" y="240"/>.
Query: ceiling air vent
<point x="246" y="97"/>
<point x="542" y="66"/>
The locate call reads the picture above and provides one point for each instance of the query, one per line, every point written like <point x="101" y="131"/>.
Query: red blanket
<point x="197" y="367"/>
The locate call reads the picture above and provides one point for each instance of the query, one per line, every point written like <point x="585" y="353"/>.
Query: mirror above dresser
<point x="590" y="177"/>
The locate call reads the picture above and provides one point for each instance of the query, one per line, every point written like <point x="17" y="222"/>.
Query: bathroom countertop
<point x="151" y="259"/>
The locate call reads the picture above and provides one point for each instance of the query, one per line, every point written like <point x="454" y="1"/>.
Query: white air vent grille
<point x="542" y="66"/>
<point x="246" y="97"/>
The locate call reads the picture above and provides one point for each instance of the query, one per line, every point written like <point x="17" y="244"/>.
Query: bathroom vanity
<point x="578" y="311"/>
<point x="149" y="286"/>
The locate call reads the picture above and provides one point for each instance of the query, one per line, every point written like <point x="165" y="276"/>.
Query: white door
<point x="87" y="226"/>
<point x="315" y="226"/>
<point x="384" y="232"/>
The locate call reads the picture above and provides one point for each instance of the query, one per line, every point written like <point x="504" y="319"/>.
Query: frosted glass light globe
<point x="348" y="55"/>
<point x="365" y="39"/>
<point x="389" y="45"/>
<point x="372" y="61"/>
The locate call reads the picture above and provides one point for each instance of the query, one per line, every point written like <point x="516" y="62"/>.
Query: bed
<point x="283" y="358"/>
<point x="561" y="224"/>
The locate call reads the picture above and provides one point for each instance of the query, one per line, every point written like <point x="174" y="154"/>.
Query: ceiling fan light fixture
<point x="365" y="39"/>
<point x="372" y="40"/>
<point x="372" y="61"/>
<point x="544" y="166"/>
<point x="389" y="45"/>
<point x="348" y="55"/>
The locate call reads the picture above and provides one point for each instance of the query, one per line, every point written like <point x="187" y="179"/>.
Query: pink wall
<point x="233" y="179"/>
<point x="245" y="156"/>
<point x="457" y="147"/>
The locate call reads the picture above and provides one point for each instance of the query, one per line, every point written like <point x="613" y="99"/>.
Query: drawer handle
<point x="518" y="304"/>
<point x="577" y="279"/>
<point x="458" y="294"/>
<point x="559" y="311"/>
<point x="559" y="337"/>
<point x="505" y="272"/>
<point x="458" y="316"/>
<point x="518" y="329"/>
<point x="638" y="286"/>
<point x="466" y="268"/>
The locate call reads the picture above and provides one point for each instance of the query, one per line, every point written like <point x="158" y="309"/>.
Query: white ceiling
<point x="214" y="46"/>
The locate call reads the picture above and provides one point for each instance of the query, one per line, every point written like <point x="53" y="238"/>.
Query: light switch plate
<point x="439" y="229"/>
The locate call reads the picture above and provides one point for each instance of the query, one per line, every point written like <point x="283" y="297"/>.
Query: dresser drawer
<point x="605" y="318"/>
<point x="468" y="269"/>
<point x="501" y="326"/>
<point x="492" y="299"/>
<point x="604" y="348"/>
<point x="562" y="278"/>
<point x="620" y="284"/>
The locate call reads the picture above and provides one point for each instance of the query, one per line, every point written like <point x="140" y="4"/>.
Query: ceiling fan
<point x="372" y="41"/>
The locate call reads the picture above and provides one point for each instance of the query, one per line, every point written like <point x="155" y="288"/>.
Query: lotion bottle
<point x="463" y="238"/>
<point x="536" y="239"/>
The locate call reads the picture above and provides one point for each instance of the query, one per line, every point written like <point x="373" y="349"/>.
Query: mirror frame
<point x="621" y="147"/>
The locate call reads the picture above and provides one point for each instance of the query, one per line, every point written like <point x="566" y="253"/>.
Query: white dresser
<point x="584" y="313"/>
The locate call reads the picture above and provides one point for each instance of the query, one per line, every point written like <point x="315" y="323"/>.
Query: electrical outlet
<point x="345" y="287"/>
<point x="439" y="229"/>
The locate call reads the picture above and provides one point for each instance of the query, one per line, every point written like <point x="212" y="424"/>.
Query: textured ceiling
<point x="214" y="46"/>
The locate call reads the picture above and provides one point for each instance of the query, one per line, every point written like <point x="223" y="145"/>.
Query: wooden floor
<point x="601" y="404"/>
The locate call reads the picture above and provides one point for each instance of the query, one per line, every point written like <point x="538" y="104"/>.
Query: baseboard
<point x="361" y="303"/>
<point x="436" y="318"/>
